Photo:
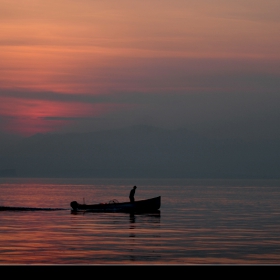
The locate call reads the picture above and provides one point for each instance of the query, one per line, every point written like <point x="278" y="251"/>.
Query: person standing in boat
<point x="132" y="193"/>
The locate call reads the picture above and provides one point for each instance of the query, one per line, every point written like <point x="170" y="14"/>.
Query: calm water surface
<point x="200" y="222"/>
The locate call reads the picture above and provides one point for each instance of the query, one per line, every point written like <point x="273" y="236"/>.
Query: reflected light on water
<point x="198" y="223"/>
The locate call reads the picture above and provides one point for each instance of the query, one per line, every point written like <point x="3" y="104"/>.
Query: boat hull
<point x="140" y="206"/>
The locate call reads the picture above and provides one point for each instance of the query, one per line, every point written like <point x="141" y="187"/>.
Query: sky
<point x="212" y="67"/>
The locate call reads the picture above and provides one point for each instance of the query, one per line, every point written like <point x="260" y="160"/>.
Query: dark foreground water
<point x="200" y="222"/>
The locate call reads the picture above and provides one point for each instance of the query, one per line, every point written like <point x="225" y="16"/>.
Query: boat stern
<point x="74" y="205"/>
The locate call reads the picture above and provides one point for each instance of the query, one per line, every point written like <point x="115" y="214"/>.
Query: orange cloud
<point x="108" y="47"/>
<point x="66" y="46"/>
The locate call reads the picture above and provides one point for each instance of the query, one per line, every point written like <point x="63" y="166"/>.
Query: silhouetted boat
<point x="139" y="206"/>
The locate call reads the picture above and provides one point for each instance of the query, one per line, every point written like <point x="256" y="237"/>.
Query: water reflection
<point x="144" y="237"/>
<point x="132" y="218"/>
<point x="144" y="219"/>
<point x="147" y="217"/>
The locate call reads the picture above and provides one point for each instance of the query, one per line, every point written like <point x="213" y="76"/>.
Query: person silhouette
<point x="131" y="194"/>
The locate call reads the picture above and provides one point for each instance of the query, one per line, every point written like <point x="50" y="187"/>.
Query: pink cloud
<point x="27" y="116"/>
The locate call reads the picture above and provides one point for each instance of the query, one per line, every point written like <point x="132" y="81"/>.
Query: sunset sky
<point x="212" y="67"/>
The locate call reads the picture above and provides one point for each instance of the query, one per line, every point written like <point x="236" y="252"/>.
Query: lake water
<point x="200" y="222"/>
